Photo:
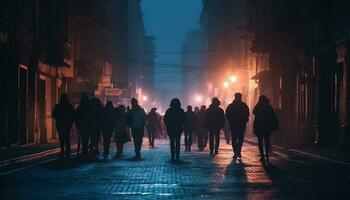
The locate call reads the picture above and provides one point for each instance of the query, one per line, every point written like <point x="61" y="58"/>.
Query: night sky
<point x="169" y="21"/>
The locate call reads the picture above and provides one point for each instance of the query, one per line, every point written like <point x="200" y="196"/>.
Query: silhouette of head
<point x="238" y="96"/>
<point x="64" y="98"/>
<point x="175" y="103"/>
<point x="203" y="108"/>
<point x="134" y="103"/>
<point x="189" y="108"/>
<point x="153" y="110"/>
<point x="264" y="100"/>
<point x="121" y="108"/>
<point x="109" y="105"/>
<point x="196" y="109"/>
<point x="216" y="101"/>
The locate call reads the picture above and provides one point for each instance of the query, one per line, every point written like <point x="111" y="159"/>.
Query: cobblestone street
<point x="198" y="176"/>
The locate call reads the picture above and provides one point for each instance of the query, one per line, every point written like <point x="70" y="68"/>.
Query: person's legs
<point x="199" y="141"/>
<point x="67" y="141"/>
<point x="234" y="143"/>
<point x="61" y="140"/>
<point x="211" y="141"/>
<point x="186" y="139"/>
<point x="189" y="140"/>
<point x="267" y="146"/>
<point x="153" y="137"/>
<point x="177" y="146"/>
<point x="205" y="138"/>
<point x="172" y="148"/>
<point x="240" y="143"/>
<point x="261" y="147"/>
<point x="137" y="135"/>
<point x="217" y="141"/>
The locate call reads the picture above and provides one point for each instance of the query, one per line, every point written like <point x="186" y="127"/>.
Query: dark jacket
<point x="64" y="115"/>
<point x="174" y="121"/>
<point x="190" y="121"/>
<point x="214" y="118"/>
<point x="153" y="122"/>
<point x="201" y="127"/>
<point x="136" y="118"/>
<point x="265" y="119"/>
<point x="108" y="119"/>
<point x="237" y="114"/>
<point x="83" y="116"/>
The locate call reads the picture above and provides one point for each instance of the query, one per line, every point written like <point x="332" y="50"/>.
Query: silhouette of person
<point x="237" y="113"/>
<point x="83" y="120"/>
<point x="96" y="124"/>
<point x="121" y="131"/>
<point x="153" y="124"/>
<point x="215" y="121"/>
<point x="136" y="119"/>
<point x="174" y="120"/>
<point x="265" y="123"/>
<point x="108" y="121"/>
<point x="189" y="127"/>
<point x="64" y="115"/>
<point x="201" y="129"/>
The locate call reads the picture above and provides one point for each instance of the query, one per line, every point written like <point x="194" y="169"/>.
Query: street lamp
<point x="199" y="98"/>
<point x="226" y="84"/>
<point x="144" y="98"/>
<point x="233" y="78"/>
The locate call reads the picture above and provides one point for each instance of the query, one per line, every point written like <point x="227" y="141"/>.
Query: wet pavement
<point x="198" y="176"/>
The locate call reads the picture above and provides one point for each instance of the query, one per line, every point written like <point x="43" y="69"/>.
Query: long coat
<point x="265" y="119"/>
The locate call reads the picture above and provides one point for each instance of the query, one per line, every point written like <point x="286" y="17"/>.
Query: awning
<point x="262" y="74"/>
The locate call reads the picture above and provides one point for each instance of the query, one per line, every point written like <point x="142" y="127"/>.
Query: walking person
<point x="96" y="124"/>
<point x="265" y="123"/>
<point x="215" y="121"/>
<point x="121" y="135"/>
<point x="136" y="119"/>
<point x="237" y="113"/>
<point x="64" y="114"/>
<point x="108" y="121"/>
<point x="189" y="127"/>
<point x="201" y="128"/>
<point x="174" y="120"/>
<point x="83" y="120"/>
<point x="153" y="124"/>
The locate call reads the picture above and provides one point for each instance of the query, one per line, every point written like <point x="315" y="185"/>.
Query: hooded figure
<point x="174" y="120"/>
<point x="237" y="113"/>
<point x="153" y="124"/>
<point x="215" y="121"/>
<point x="136" y="119"/>
<point x="189" y="127"/>
<point x="108" y="120"/>
<point x="265" y="123"/>
<point x="121" y="135"/>
<point x="83" y="122"/>
<point x="201" y="128"/>
<point x="96" y="124"/>
<point x="64" y="115"/>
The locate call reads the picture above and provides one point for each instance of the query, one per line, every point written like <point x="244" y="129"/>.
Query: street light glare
<point x="233" y="78"/>
<point x="199" y="98"/>
<point x="144" y="98"/>
<point x="226" y="84"/>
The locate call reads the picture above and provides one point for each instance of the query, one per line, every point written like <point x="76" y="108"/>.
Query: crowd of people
<point x="92" y="119"/>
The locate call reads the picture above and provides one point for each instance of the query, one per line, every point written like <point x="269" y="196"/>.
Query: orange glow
<point x="226" y="84"/>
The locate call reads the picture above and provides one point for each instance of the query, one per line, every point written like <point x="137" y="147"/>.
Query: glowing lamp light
<point x="199" y="98"/>
<point x="226" y="84"/>
<point x="233" y="78"/>
<point x="144" y="98"/>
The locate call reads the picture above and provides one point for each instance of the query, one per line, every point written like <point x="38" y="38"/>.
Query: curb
<point x="30" y="157"/>
<point x="305" y="154"/>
